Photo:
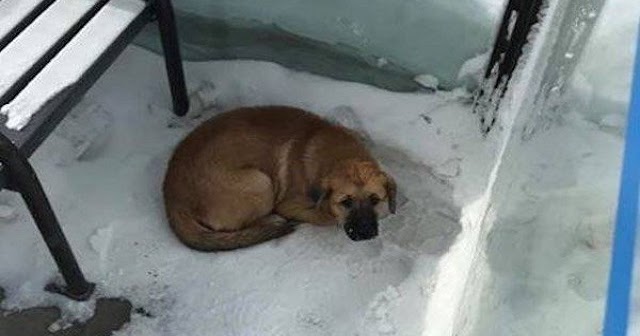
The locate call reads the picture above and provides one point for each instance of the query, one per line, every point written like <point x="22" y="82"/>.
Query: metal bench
<point x="51" y="53"/>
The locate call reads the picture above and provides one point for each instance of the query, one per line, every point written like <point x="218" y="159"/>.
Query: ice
<point x="408" y="35"/>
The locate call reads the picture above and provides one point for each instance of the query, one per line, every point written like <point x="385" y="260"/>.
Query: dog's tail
<point x="199" y="237"/>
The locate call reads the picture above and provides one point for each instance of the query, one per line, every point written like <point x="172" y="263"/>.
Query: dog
<point x="249" y="175"/>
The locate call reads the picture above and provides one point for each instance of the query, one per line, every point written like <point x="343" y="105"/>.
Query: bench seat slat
<point x="39" y="37"/>
<point x="13" y="12"/>
<point x="72" y="62"/>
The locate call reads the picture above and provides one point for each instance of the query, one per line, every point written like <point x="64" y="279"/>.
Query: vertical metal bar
<point x="527" y="13"/>
<point x="517" y="21"/>
<point x="501" y="43"/>
<point x="616" y="319"/>
<point x="22" y="178"/>
<point x="172" y="58"/>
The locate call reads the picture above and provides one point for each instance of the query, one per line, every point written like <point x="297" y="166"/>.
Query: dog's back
<point x="220" y="186"/>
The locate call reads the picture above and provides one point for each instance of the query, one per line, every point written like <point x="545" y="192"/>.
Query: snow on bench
<point x="70" y="63"/>
<point x="51" y="53"/>
<point x="25" y="50"/>
<point x="14" y="11"/>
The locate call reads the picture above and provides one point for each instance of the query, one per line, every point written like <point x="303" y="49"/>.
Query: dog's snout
<point x="362" y="235"/>
<point x="362" y="223"/>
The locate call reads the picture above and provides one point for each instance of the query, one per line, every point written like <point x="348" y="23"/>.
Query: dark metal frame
<point x="517" y="22"/>
<point x="18" y="175"/>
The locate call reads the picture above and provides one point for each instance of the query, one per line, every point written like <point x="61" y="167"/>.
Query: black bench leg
<point x="22" y="178"/>
<point x="172" y="58"/>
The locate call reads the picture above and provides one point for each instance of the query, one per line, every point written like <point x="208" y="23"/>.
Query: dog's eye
<point x="374" y="199"/>
<point x="347" y="202"/>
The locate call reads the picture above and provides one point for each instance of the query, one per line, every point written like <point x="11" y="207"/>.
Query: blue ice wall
<point x="381" y="42"/>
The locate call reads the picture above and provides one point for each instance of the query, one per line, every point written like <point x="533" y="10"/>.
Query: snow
<point x="87" y="130"/>
<point x="472" y="71"/>
<point x="549" y="246"/>
<point x="37" y="38"/>
<point x="7" y="213"/>
<point x="545" y="260"/>
<point x="313" y="282"/>
<point x="496" y="235"/>
<point x="12" y="12"/>
<point x="66" y="67"/>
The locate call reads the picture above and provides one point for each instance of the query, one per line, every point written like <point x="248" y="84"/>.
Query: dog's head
<point x="357" y="194"/>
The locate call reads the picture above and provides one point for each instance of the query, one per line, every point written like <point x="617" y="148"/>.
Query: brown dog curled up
<point x="245" y="176"/>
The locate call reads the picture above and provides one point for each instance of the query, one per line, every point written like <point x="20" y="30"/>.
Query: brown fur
<point x="228" y="178"/>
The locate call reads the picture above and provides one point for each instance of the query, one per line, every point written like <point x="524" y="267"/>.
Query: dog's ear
<point x="392" y="191"/>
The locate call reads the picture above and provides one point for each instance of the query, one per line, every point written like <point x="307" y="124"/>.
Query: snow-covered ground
<point x="102" y="169"/>
<point x="543" y="257"/>
<point x="548" y="247"/>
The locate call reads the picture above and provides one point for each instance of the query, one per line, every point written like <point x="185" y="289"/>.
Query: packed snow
<point x="549" y="242"/>
<point x="496" y="235"/>
<point x="103" y="166"/>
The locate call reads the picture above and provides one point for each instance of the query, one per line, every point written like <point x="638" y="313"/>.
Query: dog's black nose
<point x="358" y="235"/>
<point x="362" y="223"/>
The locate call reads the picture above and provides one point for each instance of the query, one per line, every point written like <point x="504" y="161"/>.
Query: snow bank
<point x="602" y="82"/>
<point x="548" y="240"/>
